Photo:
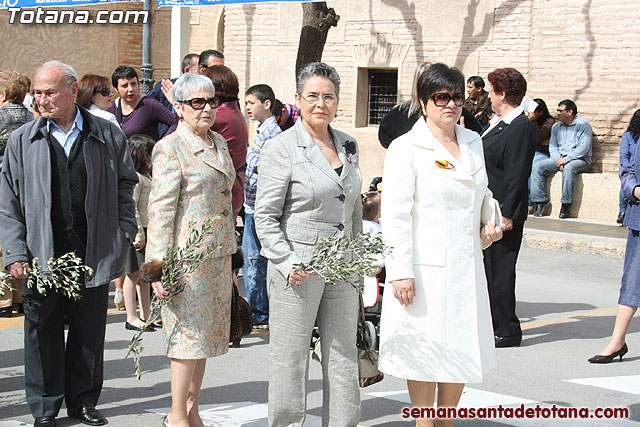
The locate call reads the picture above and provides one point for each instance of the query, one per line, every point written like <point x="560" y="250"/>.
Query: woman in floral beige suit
<point x="192" y="179"/>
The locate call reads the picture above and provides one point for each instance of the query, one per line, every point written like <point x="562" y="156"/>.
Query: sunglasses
<point x="105" y="91"/>
<point x="442" y="99"/>
<point x="199" y="103"/>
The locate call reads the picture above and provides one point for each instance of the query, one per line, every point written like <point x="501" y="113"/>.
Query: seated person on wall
<point x="570" y="150"/>
<point x="478" y="101"/>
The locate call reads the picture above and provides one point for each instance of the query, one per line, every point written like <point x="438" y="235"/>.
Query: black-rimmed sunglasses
<point x="105" y="91"/>
<point x="199" y="103"/>
<point x="442" y="99"/>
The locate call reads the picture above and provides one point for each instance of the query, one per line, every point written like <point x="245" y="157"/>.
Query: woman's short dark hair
<point x="509" y="81"/>
<point x="437" y="77"/>
<point x="89" y="85"/>
<point x="123" y="72"/>
<point x="141" y="147"/>
<point x="634" y="125"/>
<point x="371" y="205"/>
<point x="542" y="108"/>
<point x="225" y="81"/>
<point x="14" y="85"/>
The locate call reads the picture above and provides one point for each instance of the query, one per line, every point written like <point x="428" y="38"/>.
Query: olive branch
<point x="178" y="262"/>
<point x="63" y="274"/>
<point x="343" y="259"/>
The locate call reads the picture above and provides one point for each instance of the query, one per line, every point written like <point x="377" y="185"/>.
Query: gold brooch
<point x="444" y="164"/>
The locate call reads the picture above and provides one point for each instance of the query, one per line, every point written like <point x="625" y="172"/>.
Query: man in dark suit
<point x="66" y="186"/>
<point x="508" y="150"/>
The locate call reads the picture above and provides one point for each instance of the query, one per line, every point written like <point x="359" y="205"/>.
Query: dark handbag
<point x="241" y="320"/>
<point x="366" y="342"/>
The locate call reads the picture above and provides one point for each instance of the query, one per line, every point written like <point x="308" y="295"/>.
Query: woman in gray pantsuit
<point x="308" y="189"/>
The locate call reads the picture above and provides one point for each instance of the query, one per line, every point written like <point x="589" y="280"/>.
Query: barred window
<point x="383" y="94"/>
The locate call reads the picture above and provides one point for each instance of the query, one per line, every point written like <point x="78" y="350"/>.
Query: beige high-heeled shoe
<point x="118" y="300"/>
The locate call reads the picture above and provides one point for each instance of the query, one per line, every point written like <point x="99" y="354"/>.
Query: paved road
<point x="565" y="301"/>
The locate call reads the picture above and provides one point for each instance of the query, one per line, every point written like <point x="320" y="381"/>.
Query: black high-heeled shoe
<point x="600" y="358"/>
<point x="5" y="312"/>
<point x="131" y="327"/>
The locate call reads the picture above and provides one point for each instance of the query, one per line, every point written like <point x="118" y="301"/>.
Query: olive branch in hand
<point x="178" y="262"/>
<point x="63" y="274"/>
<point x="343" y="259"/>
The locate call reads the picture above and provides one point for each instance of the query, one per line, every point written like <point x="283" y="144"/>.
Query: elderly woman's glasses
<point x="199" y="103"/>
<point x="326" y="99"/>
<point x="105" y="91"/>
<point x="442" y="99"/>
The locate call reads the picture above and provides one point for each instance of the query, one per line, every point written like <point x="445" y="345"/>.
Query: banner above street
<point x="219" y="2"/>
<point x="6" y="4"/>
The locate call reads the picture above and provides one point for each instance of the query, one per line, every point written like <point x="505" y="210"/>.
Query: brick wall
<point x="585" y="50"/>
<point x="96" y="49"/>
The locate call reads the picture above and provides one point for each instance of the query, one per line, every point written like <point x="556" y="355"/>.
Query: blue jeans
<point x="545" y="168"/>
<point x="254" y="273"/>
<point x="536" y="158"/>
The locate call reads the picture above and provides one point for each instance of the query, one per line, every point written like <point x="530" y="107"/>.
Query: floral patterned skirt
<point x="196" y="322"/>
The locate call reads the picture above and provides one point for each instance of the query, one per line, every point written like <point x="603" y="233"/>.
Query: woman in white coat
<point x="437" y="214"/>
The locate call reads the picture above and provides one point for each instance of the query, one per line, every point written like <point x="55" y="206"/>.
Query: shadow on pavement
<point x="530" y="310"/>
<point x="582" y="328"/>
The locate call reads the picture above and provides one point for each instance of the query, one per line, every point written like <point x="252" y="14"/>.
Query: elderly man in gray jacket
<point x="66" y="186"/>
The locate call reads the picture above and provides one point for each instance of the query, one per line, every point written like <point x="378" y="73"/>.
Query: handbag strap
<point x="361" y="320"/>
<point x="234" y="289"/>
<point x="119" y="110"/>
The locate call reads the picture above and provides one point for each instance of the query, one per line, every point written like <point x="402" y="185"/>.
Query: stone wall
<point x="580" y="49"/>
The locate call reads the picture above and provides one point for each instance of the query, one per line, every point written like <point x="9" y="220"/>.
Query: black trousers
<point x="500" y="267"/>
<point x="54" y="371"/>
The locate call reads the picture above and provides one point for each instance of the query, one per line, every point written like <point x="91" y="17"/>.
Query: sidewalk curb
<point x="609" y="247"/>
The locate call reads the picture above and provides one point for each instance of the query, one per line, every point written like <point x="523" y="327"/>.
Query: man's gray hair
<point x="189" y="83"/>
<point x="317" y="69"/>
<point x="70" y="75"/>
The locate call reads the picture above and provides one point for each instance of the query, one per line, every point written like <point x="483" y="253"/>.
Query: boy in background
<point x="259" y="103"/>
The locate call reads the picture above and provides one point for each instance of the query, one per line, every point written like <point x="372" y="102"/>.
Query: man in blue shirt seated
<point x="570" y="150"/>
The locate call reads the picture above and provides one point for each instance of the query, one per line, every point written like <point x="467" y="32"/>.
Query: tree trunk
<point x="317" y="19"/>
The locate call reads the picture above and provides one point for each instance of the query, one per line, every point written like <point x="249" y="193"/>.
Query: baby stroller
<point x="374" y="290"/>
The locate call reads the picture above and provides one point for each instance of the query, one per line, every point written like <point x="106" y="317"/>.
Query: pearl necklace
<point x="210" y="140"/>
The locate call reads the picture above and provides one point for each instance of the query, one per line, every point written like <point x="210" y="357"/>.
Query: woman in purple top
<point x="136" y="113"/>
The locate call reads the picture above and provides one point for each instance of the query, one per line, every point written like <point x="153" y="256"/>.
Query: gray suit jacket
<point x="301" y="199"/>
<point x="25" y="197"/>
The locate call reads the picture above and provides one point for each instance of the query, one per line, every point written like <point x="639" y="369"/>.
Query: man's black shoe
<point x="88" y="415"/>
<point x="47" y="421"/>
<point x="620" y="219"/>
<point x="541" y="207"/>
<point x="565" y="211"/>
<point x="513" y="341"/>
